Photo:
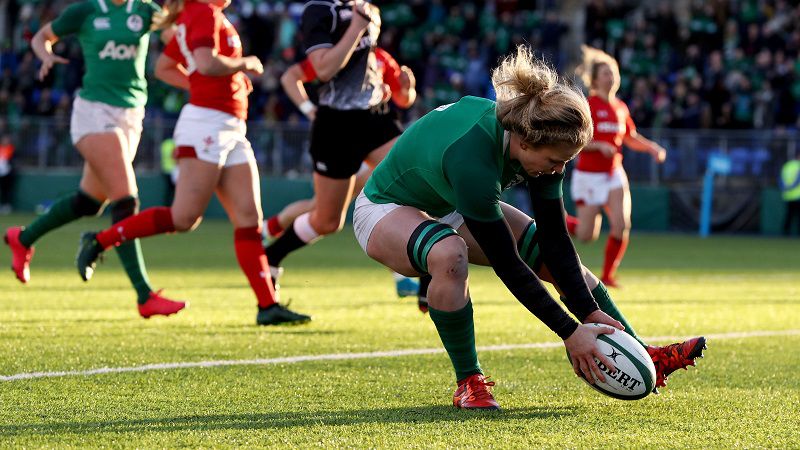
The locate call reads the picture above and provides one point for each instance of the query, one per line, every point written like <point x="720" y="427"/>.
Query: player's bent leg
<point x="240" y="196"/>
<point x="408" y="242"/>
<point x="192" y="194"/>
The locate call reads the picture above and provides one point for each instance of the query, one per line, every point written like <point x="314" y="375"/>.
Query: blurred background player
<point x="214" y="155"/>
<point x="599" y="181"/>
<point x="431" y="215"/>
<point x="790" y="191"/>
<point x="352" y="123"/>
<point x="106" y="127"/>
<point x="399" y="85"/>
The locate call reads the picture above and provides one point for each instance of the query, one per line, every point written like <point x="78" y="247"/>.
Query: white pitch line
<point x="348" y="356"/>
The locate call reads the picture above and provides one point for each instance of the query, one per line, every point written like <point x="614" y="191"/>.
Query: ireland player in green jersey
<point x="106" y="127"/>
<point x="433" y="205"/>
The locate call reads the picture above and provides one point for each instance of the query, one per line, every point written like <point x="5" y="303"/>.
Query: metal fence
<point x="282" y="149"/>
<point x="44" y="143"/>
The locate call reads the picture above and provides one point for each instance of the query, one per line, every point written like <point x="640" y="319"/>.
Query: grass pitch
<point x="745" y="393"/>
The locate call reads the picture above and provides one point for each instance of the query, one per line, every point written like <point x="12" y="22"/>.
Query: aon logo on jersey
<point x="117" y="52"/>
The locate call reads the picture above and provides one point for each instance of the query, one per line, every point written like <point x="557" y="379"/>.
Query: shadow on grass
<point x="288" y="419"/>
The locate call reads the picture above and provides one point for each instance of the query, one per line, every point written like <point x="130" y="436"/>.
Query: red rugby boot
<point x="675" y="356"/>
<point x="156" y="305"/>
<point x="20" y="255"/>
<point x="474" y="392"/>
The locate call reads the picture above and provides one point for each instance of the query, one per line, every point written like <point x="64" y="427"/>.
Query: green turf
<point x="745" y="393"/>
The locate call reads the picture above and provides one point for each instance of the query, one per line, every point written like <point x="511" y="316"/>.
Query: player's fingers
<point x="603" y="330"/>
<point x="606" y="361"/>
<point x="43" y="71"/>
<point x="597" y="372"/>
<point x="576" y="366"/>
<point x="60" y="60"/>
<point x="586" y="371"/>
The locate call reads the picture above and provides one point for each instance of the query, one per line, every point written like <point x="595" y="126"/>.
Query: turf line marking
<point x="349" y="356"/>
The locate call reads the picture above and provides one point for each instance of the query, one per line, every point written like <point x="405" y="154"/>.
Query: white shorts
<point x="212" y="136"/>
<point x="592" y="188"/>
<point x="367" y="214"/>
<point x="90" y="117"/>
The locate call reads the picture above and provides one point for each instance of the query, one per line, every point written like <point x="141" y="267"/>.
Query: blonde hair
<point x="539" y="106"/>
<point x="593" y="59"/>
<point x="169" y="14"/>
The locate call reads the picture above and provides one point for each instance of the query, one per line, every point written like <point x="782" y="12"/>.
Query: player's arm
<point x="558" y="252"/>
<point x="42" y="45"/>
<point x="210" y="63"/>
<point x="328" y="60"/>
<point x="171" y="72"/>
<point x="68" y="22"/>
<point x="639" y="143"/>
<point x="292" y="81"/>
<point x="203" y="42"/>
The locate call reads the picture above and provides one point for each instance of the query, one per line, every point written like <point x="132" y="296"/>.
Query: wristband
<point x="307" y="107"/>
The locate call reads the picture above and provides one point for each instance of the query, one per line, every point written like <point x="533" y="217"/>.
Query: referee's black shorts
<point x="341" y="139"/>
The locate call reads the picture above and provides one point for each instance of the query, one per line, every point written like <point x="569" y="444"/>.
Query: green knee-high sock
<point x="66" y="209"/>
<point x="130" y="253"/>
<point x="600" y="294"/>
<point x="456" y="329"/>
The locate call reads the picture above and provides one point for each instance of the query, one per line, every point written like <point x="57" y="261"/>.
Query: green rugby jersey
<point x="454" y="159"/>
<point x="114" y="39"/>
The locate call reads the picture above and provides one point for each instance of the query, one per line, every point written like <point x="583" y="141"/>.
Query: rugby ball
<point x="635" y="376"/>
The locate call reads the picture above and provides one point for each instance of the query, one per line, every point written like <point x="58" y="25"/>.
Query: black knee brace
<point x="84" y="205"/>
<point x="528" y="247"/>
<point x="124" y="208"/>
<point x="422" y="239"/>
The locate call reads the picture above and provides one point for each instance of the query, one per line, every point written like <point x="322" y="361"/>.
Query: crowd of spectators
<point x="712" y="64"/>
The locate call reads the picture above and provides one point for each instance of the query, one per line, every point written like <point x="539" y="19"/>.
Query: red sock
<point x="253" y="261"/>
<point x="274" y="227"/>
<point x="149" y="222"/>
<point x="615" y="249"/>
<point x="572" y="224"/>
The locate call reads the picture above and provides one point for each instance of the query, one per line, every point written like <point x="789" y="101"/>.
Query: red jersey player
<point x="214" y="155"/>
<point x="599" y="181"/>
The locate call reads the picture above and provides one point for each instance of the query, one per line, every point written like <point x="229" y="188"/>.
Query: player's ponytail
<point x="169" y="14"/>
<point x="591" y="62"/>
<point x="538" y="105"/>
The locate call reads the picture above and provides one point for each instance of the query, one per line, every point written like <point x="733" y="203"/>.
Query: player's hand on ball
<point x="48" y="63"/>
<point x="601" y="317"/>
<point x="582" y="348"/>
<point x="253" y="65"/>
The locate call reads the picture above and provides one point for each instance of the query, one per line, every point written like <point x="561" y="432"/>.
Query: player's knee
<point x="586" y="236"/>
<point x="448" y="259"/>
<point x="245" y="219"/>
<point x="186" y="222"/>
<point x="327" y="225"/>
